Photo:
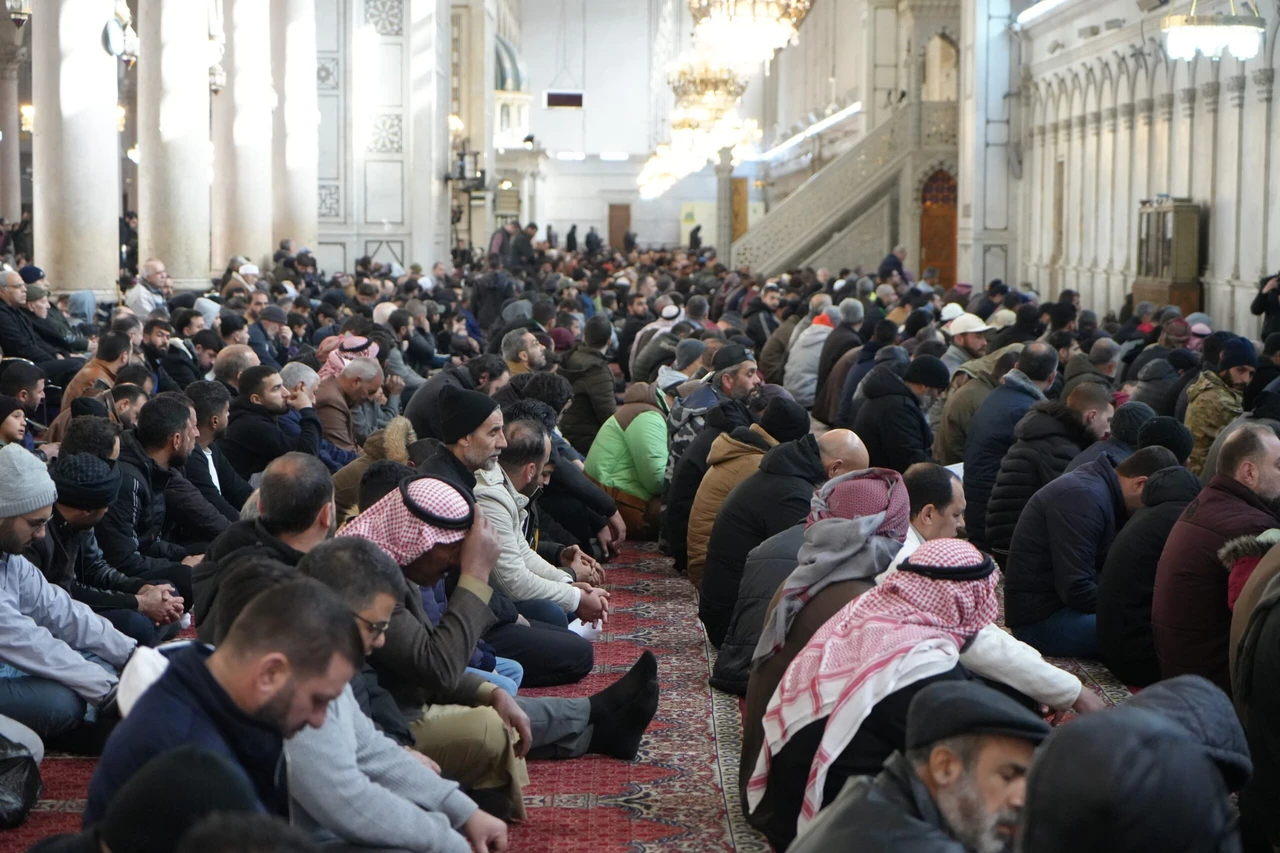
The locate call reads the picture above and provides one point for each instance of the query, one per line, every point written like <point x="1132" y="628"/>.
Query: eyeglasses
<point x="38" y="524"/>
<point x="377" y="628"/>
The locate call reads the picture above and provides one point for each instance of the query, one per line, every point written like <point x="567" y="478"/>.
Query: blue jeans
<point x="507" y="674"/>
<point x="543" y="610"/>
<point x="54" y="711"/>
<point x="136" y="624"/>
<point x="1066" y="634"/>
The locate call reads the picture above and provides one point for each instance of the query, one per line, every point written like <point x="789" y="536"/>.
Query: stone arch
<point x="922" y="175"/>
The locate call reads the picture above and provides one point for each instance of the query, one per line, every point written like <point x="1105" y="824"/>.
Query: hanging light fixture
<point x="1238" y="34"/>
<point x="747" y="32"/>
<point x="19" y="11"/>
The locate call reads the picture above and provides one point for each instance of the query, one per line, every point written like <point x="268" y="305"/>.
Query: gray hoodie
<point x="43" y="632"/>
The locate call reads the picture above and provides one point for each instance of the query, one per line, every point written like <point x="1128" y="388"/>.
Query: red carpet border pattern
<point x="681" y="793"/>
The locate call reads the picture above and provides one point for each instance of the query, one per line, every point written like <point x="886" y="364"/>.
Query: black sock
<point x="618" y="735"/>
<point x="622" y="691"/>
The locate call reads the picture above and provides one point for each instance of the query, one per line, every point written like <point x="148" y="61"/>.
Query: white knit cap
<point x="25" y="484"/>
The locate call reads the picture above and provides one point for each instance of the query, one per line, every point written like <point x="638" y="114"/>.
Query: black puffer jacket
<point x="767" y="566"/>
<point x="1129" y="576"/>
<point x="892" y="424"/>
<point x="130" y="533"/>
<point x="254" y="438"/>
<point x="1048" y="437"/>
<point x="689" y="472"/>
<point x="889" y="813"/>
<point x="242" y="539"/>
<point x="763" y="505"/>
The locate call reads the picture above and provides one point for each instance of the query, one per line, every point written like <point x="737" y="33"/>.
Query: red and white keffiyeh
<point x="348" y="350"/>
<point x="909" y="628"/>
<point x="405" y="537"/>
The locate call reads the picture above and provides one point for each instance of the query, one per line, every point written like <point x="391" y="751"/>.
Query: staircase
<point x="825" y="207"/>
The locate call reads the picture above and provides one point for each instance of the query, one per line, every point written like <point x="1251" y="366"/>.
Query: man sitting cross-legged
<point x="460" y="720"/>
<point x="47" y="679"/>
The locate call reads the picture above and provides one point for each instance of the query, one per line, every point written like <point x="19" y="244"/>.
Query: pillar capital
<point x="1187" y="98"/>
<point x="1109" y="116"/>
<point x="1095" y="121"/>
<point x="1146" y="110"/>
<point x="11" y="58"/>
<point x="1165" y="105"/>
<point x="1126" y="114"/>
<point x="1209" y="93"/>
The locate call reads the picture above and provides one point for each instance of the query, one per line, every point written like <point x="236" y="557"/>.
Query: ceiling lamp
<point x="19" y="11"/>
<point x="1238" y="34"/>
<point x="747" y="32"/>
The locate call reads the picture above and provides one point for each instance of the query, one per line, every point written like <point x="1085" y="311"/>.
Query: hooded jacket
<point x="1078" y="371"/>
<point x="180" y="363"/>
<point x="866" y="362"/>
<point x="734" y="456"/>
<point x="1189" y="611"/>
<point x="1211" y="405"/>
<point x="630" y="451"/>
<point x="768" y="502"/>
<point x="889" y="813"/>
<point x="1061" y="543"/>
<point x="1266" y="411"/>
<point x="691" y="468"/>
<point x="962" y="404"/>
<point x="593" y="398"/>
<point x="390" y="443"/>
<point x="254" y="438"/>
<point x="188" y="706"/>
<point x="800" y="376"/>
<point x="892" y="424"/>
<point x="243" y="539"/>
<point x="1128" y="577"/>
<point x="688" y="416"/>
<point x="1048" y="438"/>
<point x="759" y="322"/>
<point x="1155" y="380"/>
<point x="130" y="533"/>
<point x="659" y="352"/>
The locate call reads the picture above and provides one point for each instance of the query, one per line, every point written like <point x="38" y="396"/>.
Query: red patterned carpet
<point x="671" y="799"/>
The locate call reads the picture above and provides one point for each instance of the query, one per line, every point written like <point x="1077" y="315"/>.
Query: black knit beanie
<point x="785" y="420"/>
<point x="462" y="412"/>
<point x="85" y="481"/>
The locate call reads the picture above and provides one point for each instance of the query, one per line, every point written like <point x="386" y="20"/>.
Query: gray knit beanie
<point x="25" y="484"/>
<point x="688" y="351"/>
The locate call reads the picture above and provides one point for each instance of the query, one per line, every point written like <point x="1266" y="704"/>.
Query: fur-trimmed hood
<point x="392" y="441"/>
<point x="1248" y="547"/>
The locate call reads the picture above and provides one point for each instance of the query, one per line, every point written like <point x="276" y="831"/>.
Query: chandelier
<point x="747" y="32"/>
<point x="19" y="11"/>
<point x="1238" y="34"/>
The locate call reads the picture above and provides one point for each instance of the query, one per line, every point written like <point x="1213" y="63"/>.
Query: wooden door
<point x="739" y="190"/>
<point x="619" y="225"/>
<point x="938" y="227"/>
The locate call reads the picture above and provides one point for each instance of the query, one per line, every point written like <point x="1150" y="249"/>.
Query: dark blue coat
<point x="1061" y="543"/>
<point x="990" y="435"/>
<point x="269" y="352"/>
<point x="188" y="706"/>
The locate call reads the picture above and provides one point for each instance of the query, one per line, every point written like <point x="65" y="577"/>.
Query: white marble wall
<point x="382" y="80"/>
<point x="1124" y="123"/>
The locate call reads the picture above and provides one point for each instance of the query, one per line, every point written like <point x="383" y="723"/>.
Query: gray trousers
<point x="560" y="727"/>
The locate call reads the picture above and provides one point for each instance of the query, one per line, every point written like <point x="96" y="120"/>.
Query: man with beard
<point x="254" y="437"/>
<point x="638" y="316"/>
<point x="289" y="654"/>
<point x="131" y="533"/>
<point x="207" y="467"/>
<point x="1215" y="399"/>
<point x="127" y="400"/>
<point x="735" y="376"/>
<point x="958" y="788"/>
<point x="153" y="349"/>
<point x="968" y="340"/>
<point x="522" y="351"/>
<point x="1191" y="604"/>
<point x="43" y="631"/>
<point x="471" y="429"/>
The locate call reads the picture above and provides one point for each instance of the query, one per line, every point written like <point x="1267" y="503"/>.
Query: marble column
<point x="430" y="34"/>
<point x="724" y="207"/>
<point x="295" y="144"/>
<point x="242" y="125"/>
<point x="12" y="55"/>
<point x="173" y="140"/>
<point x="75" y="146"/>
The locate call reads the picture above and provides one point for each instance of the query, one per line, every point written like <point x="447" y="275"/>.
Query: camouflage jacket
<point x="1211" y="405"/>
